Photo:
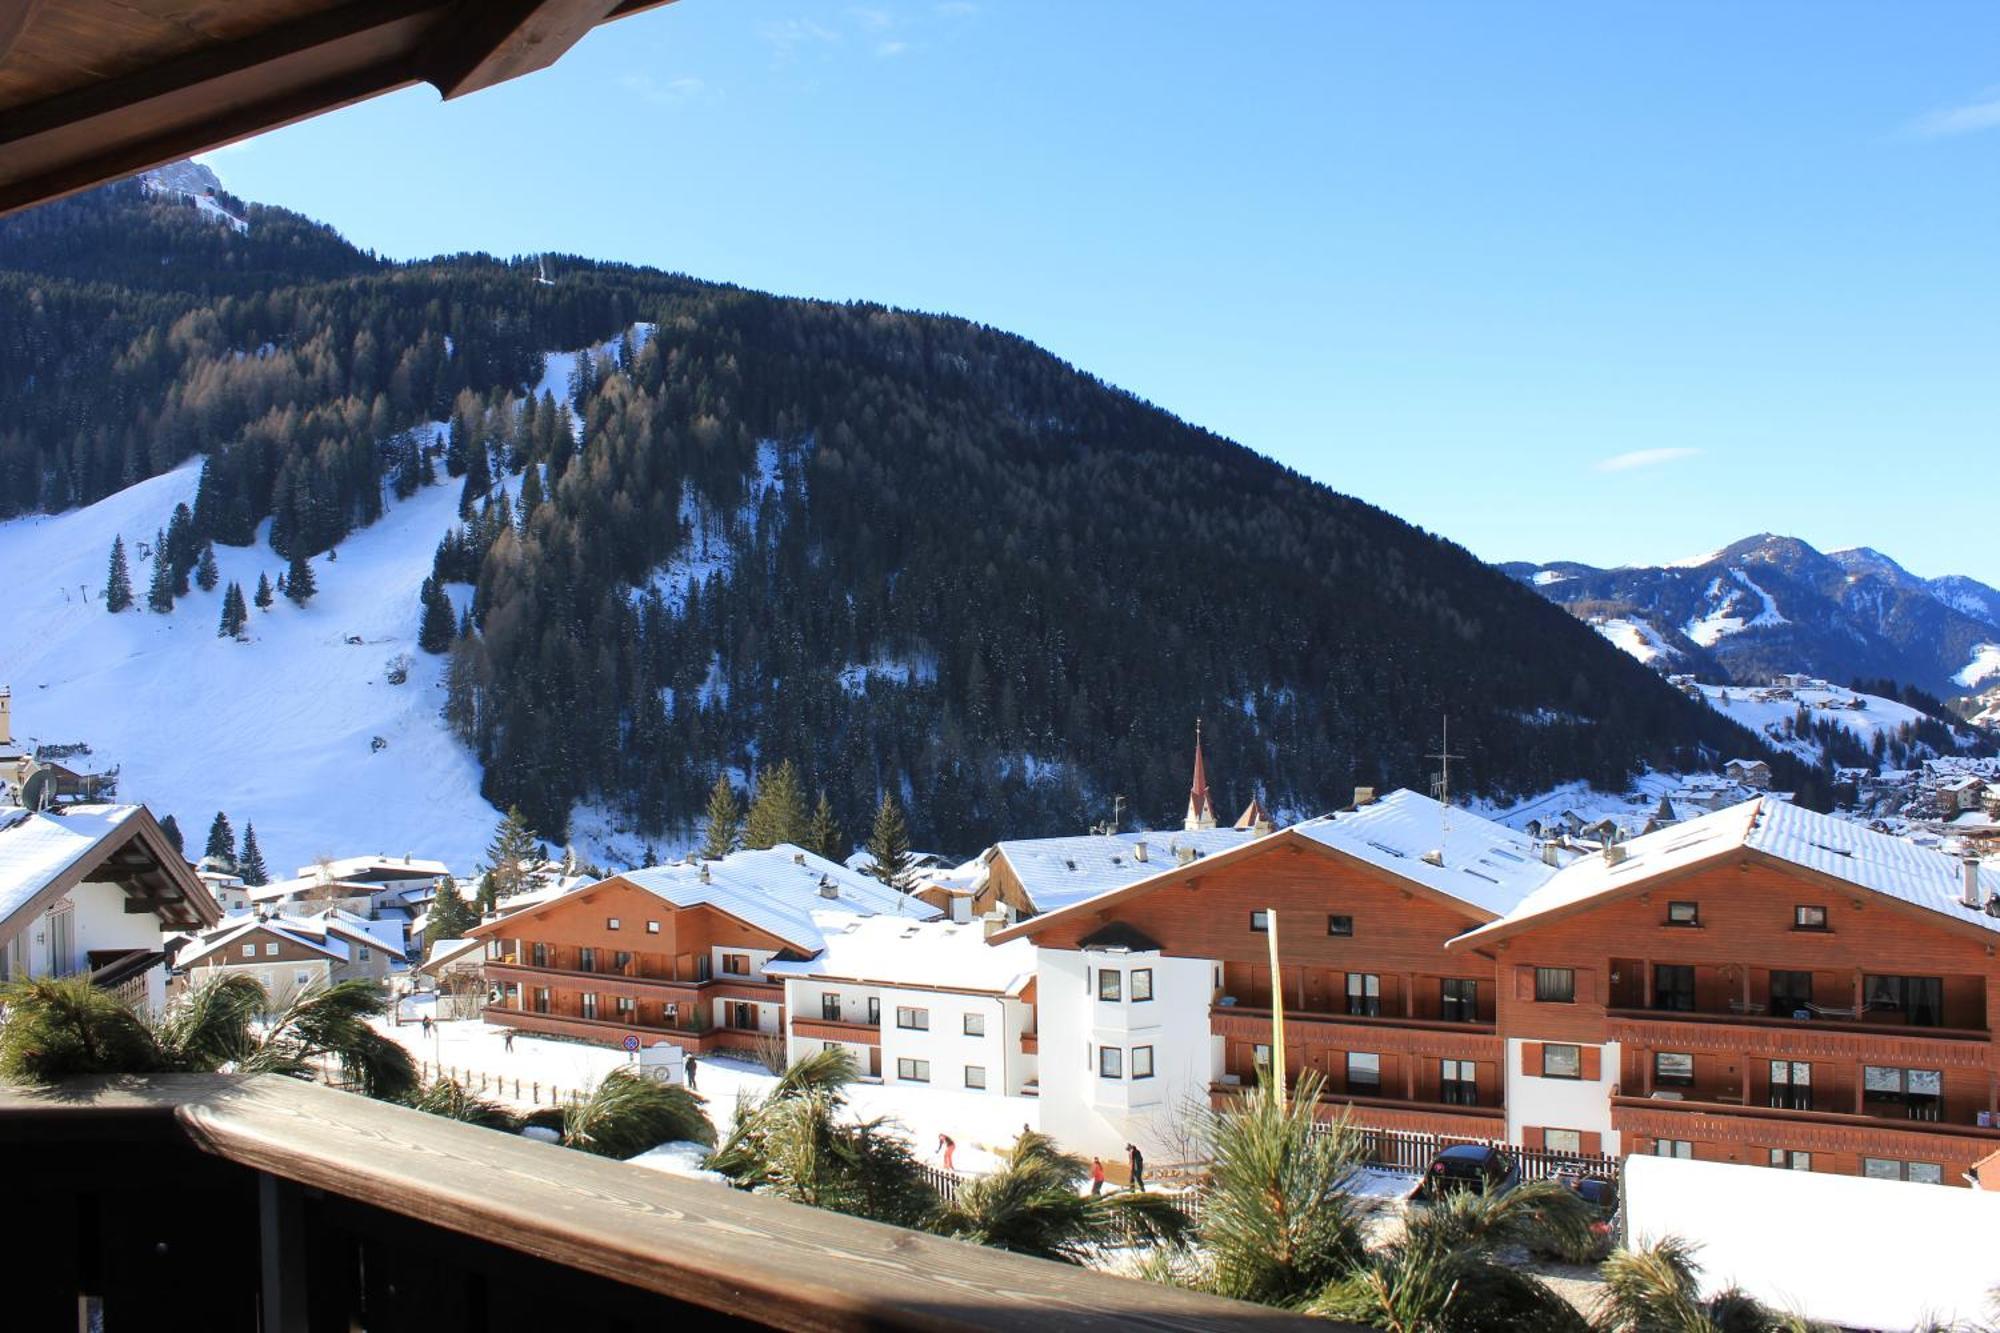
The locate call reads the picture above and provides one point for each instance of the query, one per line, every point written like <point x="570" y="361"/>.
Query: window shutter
<point x="1591" y="1142"/>
<point x="1524" y="983"/>
<point x="1531" y="1137"/>
<point x="1531" y="1059"/>
<point x="1592" y="1062"/>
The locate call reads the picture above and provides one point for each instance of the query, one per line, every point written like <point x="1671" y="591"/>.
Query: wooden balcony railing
<point x="338" y="1212"/>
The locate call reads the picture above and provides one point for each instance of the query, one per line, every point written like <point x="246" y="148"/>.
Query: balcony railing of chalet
<point x="610" y="979"/>
<point x="1474" y="1123"/>
<point x="1831" y="1023"/>
<point x="1660" y="1116"/>
<point x="221" y="1203"/>
<point x="1840" y="999"/>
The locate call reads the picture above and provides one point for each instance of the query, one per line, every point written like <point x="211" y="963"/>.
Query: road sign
<point x="631" y="1043"/>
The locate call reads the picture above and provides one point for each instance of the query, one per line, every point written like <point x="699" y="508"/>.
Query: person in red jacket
<point x="1096" y="1176"/>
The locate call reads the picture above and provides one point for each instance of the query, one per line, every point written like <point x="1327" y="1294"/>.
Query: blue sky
<point x="1609" y="282"/>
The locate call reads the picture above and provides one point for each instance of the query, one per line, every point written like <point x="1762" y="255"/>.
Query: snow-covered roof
<point x="1059" y="872"/>
<point x="897" y="951"/>
<point x="219" y="941"/>
<point x="777" y="889"/>
<point x="360" y="867"/>
<point x="38" y="849"/>
<point x="1453" y="851"/>
<point x="443" y="953"/>
<point x="278" y="890"/>
<point x="1937" y="1242"/>
<point x="333" y="933"/>
<point x="1895" y="867"/>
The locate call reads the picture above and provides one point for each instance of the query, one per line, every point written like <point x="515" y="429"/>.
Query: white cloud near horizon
<point x="661" y="92"/>
<point x="1639" y="458"/>
<point x="1969" y="118"/>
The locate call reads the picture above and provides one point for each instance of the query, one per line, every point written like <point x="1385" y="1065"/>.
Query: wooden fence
<point x="1401" y="1150"/>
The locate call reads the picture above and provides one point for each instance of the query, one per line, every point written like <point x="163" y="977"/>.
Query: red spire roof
<point x="1200" y="811"/>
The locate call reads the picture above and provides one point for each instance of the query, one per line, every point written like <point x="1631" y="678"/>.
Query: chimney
<point x="6" y="714"/>
<point x="704" y="872"/>
<point x="1364" y="796"/>
<point x="1183" y="855"/>
<point x="798" y="858"/>
<point x="1549" y="857"/>
<point x="995" y="922"/>
<point x="827" y="888"/>
<point x="1139" y="851"/>
<point x="961" y="909"/>
<point x="1434" y="857"/>
<point x="1614" y="853"/>
<point x="1971" y="896"/>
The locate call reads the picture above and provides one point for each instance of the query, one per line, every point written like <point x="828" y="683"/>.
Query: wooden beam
<point x="14" y="20"/>
<point x="491" y="41"/>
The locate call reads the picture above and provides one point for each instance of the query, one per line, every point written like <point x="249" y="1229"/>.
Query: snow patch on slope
<point x="856" y="677"/>
<point x="1985" y="665"/>
<point x="1726" y="615"/>
<point x="1635" y="637"/>
<point x="1767" y="714"/>
<point x="713" y="538"/>
<point x="276" y="731"/>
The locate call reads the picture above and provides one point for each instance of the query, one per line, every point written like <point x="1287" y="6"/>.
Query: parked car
<point x="1476" y="1167"/>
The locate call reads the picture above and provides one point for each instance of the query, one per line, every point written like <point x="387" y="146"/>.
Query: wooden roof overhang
<point x="92" y="90"/>
<point x="137" y="857"/>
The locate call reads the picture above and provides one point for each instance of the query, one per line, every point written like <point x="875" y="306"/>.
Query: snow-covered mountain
<point x="1769" y="604"/>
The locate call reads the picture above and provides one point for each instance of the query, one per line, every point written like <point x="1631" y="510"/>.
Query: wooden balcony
<point x="639" y="987"/>
<point x="834" y="1029"/>
<point x="1416" y="1117"/>
<point x="1813" y="1131"/>
<point x="1410" y="1036"/>
<point x="1762" y="1036"/>
<point x="340" y="1212"/>
<point x="612" y="1032"/>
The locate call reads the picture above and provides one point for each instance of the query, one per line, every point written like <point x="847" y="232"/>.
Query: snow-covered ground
<point x="1985" y="665"/>
<point x="1768" y="716"/>
<point x="277" y="731"/>
<point x="983" y="1124"/>
<point x="1635" y="637"/>
<point x="1732" y="612"/>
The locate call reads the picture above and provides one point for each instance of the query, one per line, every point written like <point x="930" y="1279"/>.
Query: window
<point x="1883" y="1168"/>
<point x="1788" y="1160"/>
<point x="1260" y="920"/>
<point x="875" y="1011"/>
<point x="1673" y="1069"/>
<point x="538" y="954"/>
<point x="1340" y="925"/>
<point x="1555" y="985"/>
<point x="1791" y="1085"/>
<point x="1142" y="984"/>
<point x="913" y="1020"/>
<point x="671" y="1010"/>
<point x="829" y="1046"/>
<point x="1683" y="914"/>
<point x="736" y="964"/>
<point x="1681" y="1148"/>
<point x="975" y="1076"/>
<point x="829" y="1008"/>
<point x="1920" y="1000"/>
<point x="701" y="967"/>
<point x="1559" y="1061"/>
<point x="1364" y="1072"/>
<point x="1110" y="1062"/>
<point x="1459" y="1081"/>
<point x="621" y="961"/>
<point x="302" y="977"/>
<point x="1142" y="1062"/>
<point x="249" y="951"/>
<point x="1260" y="1055"/>
<point x="1673" y="987"/>
<point x="1805" y="917"/>
<point x="1568" y="1142"/>
<point x="586" y="960"/>
<point x="1110" y="983"/>
<point x="1364" y="994"/>
<point x="652" y="927"/>
<point x="913" y="1071"/>
<point x="1905" y="1094"/>
<point x="627" y="1010"/>
<point x="742" y="1015"/>
<point x="541" y="999"/>
<point x="1458" y="1000"/>
<point x="270" y="951"/>
<point x="611" y="923"/>
<point x="1791" y="994"/>
<point x="975" y="1025"/>
<point x="589" y="1005"/>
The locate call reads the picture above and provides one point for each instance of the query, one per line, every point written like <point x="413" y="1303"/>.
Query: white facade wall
<point x="279" y="979"/>
<point x="91" y="917"/>
<point x="1084" y="1109"/>
<point x="943" y="1045"/>
<point x="1562" y="1103"/>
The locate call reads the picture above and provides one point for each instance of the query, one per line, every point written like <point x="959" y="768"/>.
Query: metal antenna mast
<point x="1441" y="784"/>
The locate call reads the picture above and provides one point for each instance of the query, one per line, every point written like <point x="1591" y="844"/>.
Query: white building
<point x="925" y="1003"/>
<point x="94" y="888"/>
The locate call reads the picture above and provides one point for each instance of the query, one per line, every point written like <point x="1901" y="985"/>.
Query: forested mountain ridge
<point x="907" y="551"/>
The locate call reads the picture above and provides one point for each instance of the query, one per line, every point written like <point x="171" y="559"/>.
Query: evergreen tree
<point x="205" y="572"/>
<point x="221" y="840"/>
<point x="434" y="632"/>
<point x="118" y="585"/>
<point x="264" y="594"/>
<point x="513" y="849"/>
<point x="235" y="615"/>
<point x="824" y="836"/>
<point x="180" y="545"/>
<point x="299" y="582"/>
<point x="160" y="592"/>
<point x="250" y="861"/>
<point x="778" y="814"/>
<point x="450" y="915"/>
<point x="488" y="894"/>
<point x="889" y="845"/>
<point x="171" y="827"/>
<point x="723" y="830"/>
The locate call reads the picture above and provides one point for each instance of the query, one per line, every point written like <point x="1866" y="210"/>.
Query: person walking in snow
<point x="1136" y="1160"/>
<point x="507" y="1041"/>
<point x="427" y="1025"/>
<point x="947" y="1146"/>
<point x="687" y="1072"/>
<point x="1096" y="1176"/>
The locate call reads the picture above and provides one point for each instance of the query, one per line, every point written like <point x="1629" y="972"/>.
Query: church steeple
<point x="1200" y="811"/>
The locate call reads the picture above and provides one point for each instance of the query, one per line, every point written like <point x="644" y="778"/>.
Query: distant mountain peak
<point x="193" y="180"/>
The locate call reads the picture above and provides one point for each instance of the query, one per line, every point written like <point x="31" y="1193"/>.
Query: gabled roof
<point x="921" y="955"/>
<point x="1059" y="872"/>
<point x="44" y="855"/>
<point x="375" y="869"/>
<point x="777" y="890"/>
<point x="446" y="952"/>
<point x="219" y="941"/>
<point x="1893" y="867"/>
